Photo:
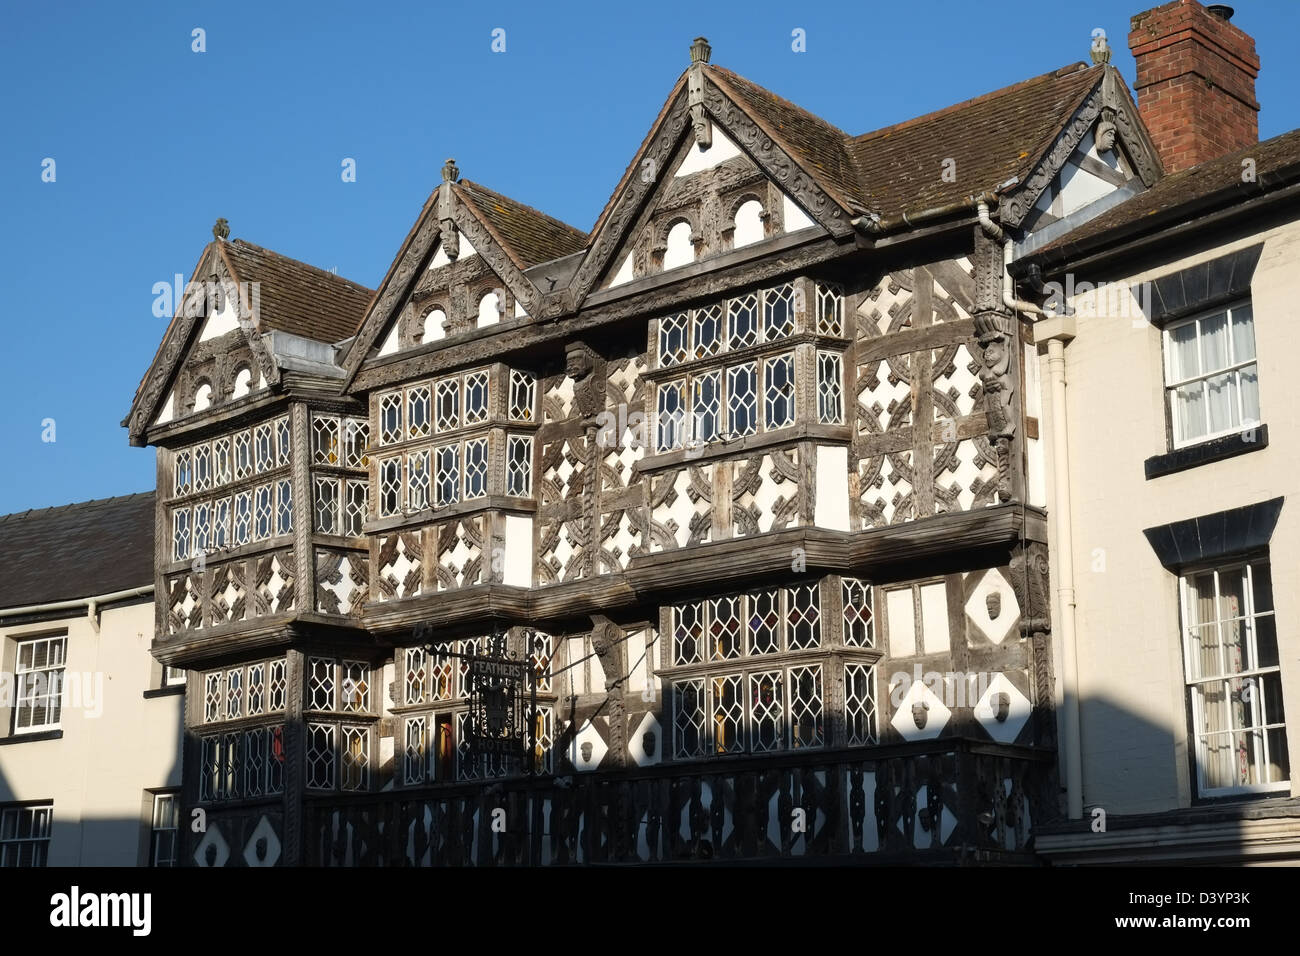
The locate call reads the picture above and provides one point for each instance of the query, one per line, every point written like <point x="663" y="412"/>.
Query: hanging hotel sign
<point x="502" y="696"/>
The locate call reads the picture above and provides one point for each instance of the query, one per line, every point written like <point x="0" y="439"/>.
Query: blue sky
<point x="152" y="142"/>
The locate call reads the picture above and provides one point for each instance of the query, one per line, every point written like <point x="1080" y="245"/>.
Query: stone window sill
<point x="1217" y="449"/>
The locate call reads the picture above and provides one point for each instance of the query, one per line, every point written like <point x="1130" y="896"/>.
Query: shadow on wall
<point x="91" y="841"/>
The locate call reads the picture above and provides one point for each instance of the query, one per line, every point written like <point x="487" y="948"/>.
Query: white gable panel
<point x="794" y="217"/>
<point x="624" y="273"/>
<point x="390" y="342"/>
<point x="220" y="322"/>
<point x="440" y="256"/>
<point x="168" y="410"/>
<point x="697" y="159"/>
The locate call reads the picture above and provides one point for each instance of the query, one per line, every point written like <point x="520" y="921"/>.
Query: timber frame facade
<point x="741" y="472"/>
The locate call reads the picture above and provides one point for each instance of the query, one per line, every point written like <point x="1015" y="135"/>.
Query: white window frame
<point x="1259" y="730"/>
<point x="1234" y="367"/>
<point x="35" y="836"/>
<point x="49" y="684"/>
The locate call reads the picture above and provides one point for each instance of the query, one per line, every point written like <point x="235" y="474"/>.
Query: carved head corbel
<point x="1106" y="132"/>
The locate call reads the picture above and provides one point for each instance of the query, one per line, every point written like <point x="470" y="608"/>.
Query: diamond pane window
<point x="707" y="406"/>
<point x="181" y="546"/>
<point x="443" y="673"/>
<point x="356" y="759"/>
<point x="673" y="339"/>
<point x="263" y="447"/>
<point x="689" y="738"/>
<point x="688" y="633"/>
<point x="254" y="762"/>
<point x="766" y="715"/>
<point x="390" y="486"/>
<point x="476" y="468"/>
<point x="221" y="461"/>
<point x="417" y="675"/>
<point x="742" y="321"/>
<point x="728" y="714"/>
<point x="356" y="434"/>
<point x="354" y="508"/>
<point x="325" y="507"/>
<point x="804" y="616"/>
<point x="320" y="683"/>
<point x="415" y="755"/>
<point x="417" y="480"/>
<point x="209" y="772"/>
<point x="243" y="455"/>
<point x="256" y="689"/>
<point x="183" y="472"/>
<point x="671" y="414"/>
<point x="263" y="511"/>
<point x="390" y="418"/>
<point x="724" y="628"/>
<point x="764" y="622"/>
<point x="707" y="330"/>
<point x="523" y="395"/>
<point x="417" y="412"/>
<point x="778" y="392"/>
<point x="830" y="310"/>
<point x="857" y="613"/>
<point x="742" y="399"/>
<point x="212" y="697"/>
<point x="202" y="527"/>
<point x="778" y="312"/>
<point x="539" y="655"/>
<point x="519" y="465"/>
<point x="275" y="760"/>
<point x="221" y="524"/>
<point x="242" y="529"/>
<point x="321" y="767"/>
<point x="283" y="441"/>
<point x="355" y="689"/>
<point x="235" y="693"/>
<point x="448" y="410"/>
<point x="202" y="467"/>
<point x="275" y="692"/>
<point x="448" y="474"/>
<point x="476" y="397"/>
<point x="830" y="389"/>
<point x="284" y="507"/>
<point x="806" y="726"/>
<point x="860" y="704"/>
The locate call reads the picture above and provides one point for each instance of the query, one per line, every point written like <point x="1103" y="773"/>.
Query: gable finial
<point x="703" y="129"/>
<point x="221" y="229"/>
<point x="1100" y="50"/>
<point x="449" y="237"/>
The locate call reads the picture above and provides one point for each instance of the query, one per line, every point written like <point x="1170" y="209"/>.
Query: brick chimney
<point x="1195" y="81"/>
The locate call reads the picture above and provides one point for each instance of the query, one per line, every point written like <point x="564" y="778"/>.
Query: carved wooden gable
<point x="1102" y="151"/>
<point x="717" y="172"/>
<point x="461" y="269"/>
<point x="707" y="202"/>
<point x="212" y="352"/>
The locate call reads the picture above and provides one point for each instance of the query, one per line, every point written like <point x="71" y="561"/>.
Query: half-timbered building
<point x="749" y="477"/>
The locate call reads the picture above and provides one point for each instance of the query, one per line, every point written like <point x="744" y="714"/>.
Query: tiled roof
<point x="296" y="297"/>
<point x="76" y="551"/>
<point x="991" y="139"/>
<point x="529" y="236"/>
<point x="1162" y="203"/>
<point x="818" y="145"/>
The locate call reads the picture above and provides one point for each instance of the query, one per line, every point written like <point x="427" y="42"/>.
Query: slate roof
<point x="1184" y="194"/>
<point x="527" y="235"/>
<point x="992" y="138"/>
<point x="76" y="551"/>
<point x="296" y="297"/>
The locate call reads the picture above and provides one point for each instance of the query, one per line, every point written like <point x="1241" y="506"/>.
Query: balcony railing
<point x="949" y="801"/>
